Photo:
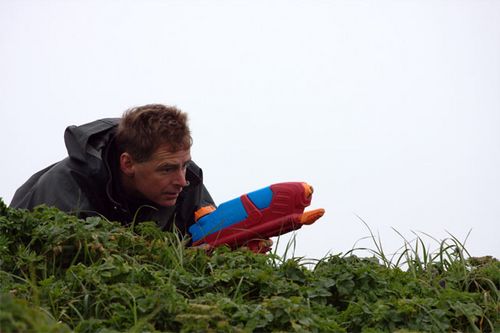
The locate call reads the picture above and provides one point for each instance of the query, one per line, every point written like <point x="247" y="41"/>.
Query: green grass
<point x="62" y="274"/>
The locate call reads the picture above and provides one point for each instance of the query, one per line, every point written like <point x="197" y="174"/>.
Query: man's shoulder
<point x="54" y="186"/>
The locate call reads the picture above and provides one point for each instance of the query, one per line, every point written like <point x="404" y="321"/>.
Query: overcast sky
<point x="390" y="109"/>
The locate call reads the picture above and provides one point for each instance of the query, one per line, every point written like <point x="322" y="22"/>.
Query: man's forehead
<point x="164" y="152"/>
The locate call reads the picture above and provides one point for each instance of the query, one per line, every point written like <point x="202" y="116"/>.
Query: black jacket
<point x="84" y="183"/>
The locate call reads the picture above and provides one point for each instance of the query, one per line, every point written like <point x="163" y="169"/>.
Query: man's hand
<point x="259" y="245"/>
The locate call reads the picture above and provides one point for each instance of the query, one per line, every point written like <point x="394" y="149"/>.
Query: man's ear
<point x="127" y="164"/>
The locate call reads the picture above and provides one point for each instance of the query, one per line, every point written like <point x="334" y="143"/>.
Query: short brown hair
<point x="143" y="129"/>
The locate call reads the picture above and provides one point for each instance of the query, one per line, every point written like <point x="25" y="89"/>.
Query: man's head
<point x="154" y="144"/>
<point x="143" y="129"/>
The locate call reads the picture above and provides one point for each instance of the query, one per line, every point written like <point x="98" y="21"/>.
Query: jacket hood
<point x="86" y="142"/>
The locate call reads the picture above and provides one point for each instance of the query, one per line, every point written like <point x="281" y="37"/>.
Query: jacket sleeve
<point x="53" y="186"/>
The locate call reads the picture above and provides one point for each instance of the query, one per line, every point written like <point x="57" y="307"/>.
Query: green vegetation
<point x="62" y="274"/>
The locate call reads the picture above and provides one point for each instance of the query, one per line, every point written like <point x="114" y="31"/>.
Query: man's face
<point x="161" y="178"/>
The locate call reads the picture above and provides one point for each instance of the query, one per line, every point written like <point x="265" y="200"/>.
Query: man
<point x="128" y="169"/>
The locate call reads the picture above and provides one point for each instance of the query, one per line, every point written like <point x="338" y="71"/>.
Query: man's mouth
<point x="171" y="195"/>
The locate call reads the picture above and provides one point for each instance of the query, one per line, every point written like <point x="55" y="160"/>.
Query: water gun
<point x="253" y="218"/>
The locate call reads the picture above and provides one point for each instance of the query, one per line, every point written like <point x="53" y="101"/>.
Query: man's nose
<point x="181" y="178"/>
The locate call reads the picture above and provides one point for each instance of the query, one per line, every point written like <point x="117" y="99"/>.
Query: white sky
<point x="390" y="109"/>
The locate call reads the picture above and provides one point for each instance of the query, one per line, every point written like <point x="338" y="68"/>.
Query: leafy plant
<point x="61" y="274"/>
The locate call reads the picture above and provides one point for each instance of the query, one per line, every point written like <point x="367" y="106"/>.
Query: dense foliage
<point x="62" y="274"/>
